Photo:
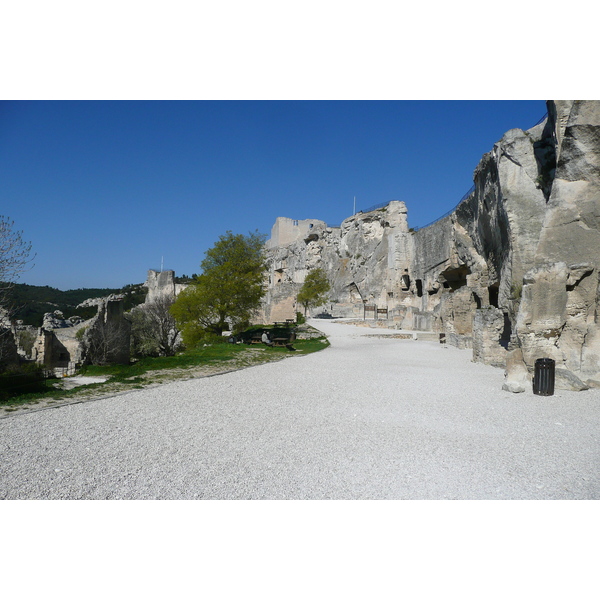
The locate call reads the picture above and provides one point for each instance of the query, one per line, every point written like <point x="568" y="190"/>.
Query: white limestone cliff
<point x="512" y="271"/>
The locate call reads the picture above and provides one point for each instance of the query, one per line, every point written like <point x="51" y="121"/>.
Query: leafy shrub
<point x="154" y="331"/>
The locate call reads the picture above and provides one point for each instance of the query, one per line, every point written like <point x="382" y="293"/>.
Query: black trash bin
<point x="543" y="377"/>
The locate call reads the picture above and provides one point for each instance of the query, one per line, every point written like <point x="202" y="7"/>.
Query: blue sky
<point x="105" y="189"/>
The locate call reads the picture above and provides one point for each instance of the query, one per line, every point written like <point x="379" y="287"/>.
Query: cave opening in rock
<point x="506" y="332"/>
<point x="455" y="278"/>
<point x="493" y="294"/>
<point x="419" y="284"/>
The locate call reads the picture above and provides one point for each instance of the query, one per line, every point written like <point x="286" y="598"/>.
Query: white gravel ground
<point x="367" y="418"/>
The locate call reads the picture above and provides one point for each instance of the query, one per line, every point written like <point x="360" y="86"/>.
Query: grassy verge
<point x="196" y="362"/>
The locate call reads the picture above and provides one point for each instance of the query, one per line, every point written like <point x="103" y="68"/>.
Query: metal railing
<point x="540" y="121"/>
<point x="465" y="196"/>
<point x="471" y="190"/>
<point x="375" y="207"/>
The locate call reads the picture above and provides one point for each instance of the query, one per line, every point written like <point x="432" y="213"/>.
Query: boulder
<point x="566" y="380"/>
<point x="517" y="376"/>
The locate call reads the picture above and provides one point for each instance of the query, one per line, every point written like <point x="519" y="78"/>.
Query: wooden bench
<point x="279" y="339"/>
<point x="284" y="340"/>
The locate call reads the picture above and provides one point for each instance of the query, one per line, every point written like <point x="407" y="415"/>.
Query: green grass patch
<point x="154" y="370"/>
<point x="201" y="355"/>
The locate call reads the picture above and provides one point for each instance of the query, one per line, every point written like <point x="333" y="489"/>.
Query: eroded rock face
<point x="559" y="312"/>
<point x="365" y="258"/>
<point x="525" y="242"/>
<point x="475" y="257"/>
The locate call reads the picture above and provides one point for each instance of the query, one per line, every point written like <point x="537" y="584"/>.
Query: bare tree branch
<point x="14" y="260"/>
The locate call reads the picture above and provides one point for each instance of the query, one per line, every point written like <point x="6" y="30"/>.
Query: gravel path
<point x="367" y="418"/>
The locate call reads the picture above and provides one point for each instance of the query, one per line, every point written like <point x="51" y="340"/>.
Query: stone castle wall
<point x="162" y="283"/>
<point x="286" y="231"/>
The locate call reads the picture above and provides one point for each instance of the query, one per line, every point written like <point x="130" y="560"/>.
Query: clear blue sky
<point x="104" y="189"/>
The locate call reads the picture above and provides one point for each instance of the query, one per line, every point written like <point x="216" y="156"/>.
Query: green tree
<point x="227" y="293"/>
<point x="314" y="290"/>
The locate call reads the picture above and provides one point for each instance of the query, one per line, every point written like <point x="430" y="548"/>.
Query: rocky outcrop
<point x="476" y="257"/>
<point x="365" y="259"/>
<point x="558" y="315"/>
<point x="513" y="271"/>
<point x="56" y="320"/>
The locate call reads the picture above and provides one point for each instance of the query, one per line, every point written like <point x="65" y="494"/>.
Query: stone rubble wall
<point x="286" y="231"/>
<point x="66" y="343"/>
<point x="107" y="337"/>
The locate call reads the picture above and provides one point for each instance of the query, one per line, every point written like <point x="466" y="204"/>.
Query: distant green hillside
<point x="31" y="302"/>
